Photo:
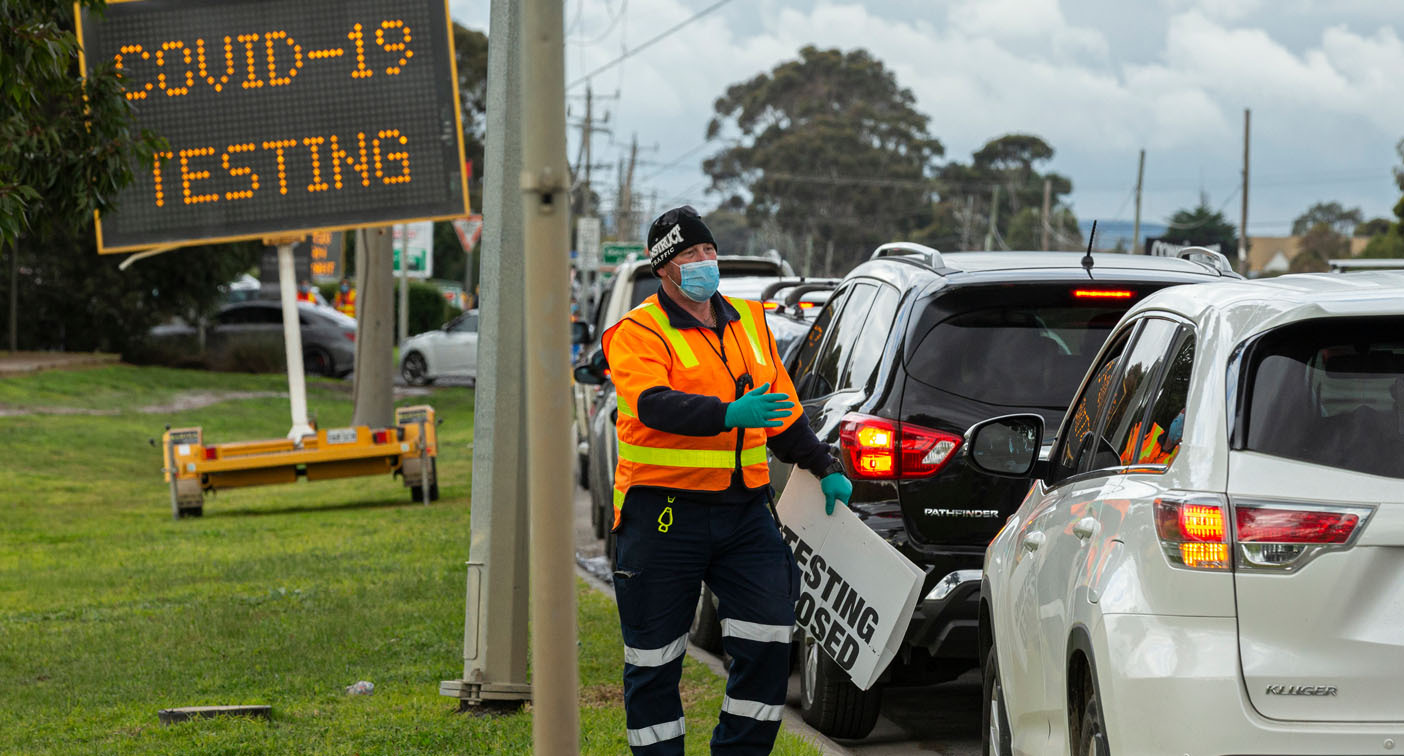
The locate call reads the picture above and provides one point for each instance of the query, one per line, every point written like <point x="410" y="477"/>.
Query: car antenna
<point x="1087" y="261"/>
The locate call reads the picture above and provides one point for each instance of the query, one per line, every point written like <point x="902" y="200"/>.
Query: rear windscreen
<point x="1329" y="392"/>
<point x="1016" y="355"/>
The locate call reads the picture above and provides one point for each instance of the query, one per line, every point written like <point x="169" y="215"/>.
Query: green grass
<point x="285" y="595"/>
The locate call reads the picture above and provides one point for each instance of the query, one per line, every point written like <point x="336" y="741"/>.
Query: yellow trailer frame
<point x="409" y="449"/>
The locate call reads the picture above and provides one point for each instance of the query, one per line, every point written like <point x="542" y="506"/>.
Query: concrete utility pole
<point x="546" y="210"/>
<point x="372" y="390"/>
<point x="1047" y="223"/>
<point x="1243" y="224"/>
<point x="994" y="220"/>
<point x="404" y="284"/>
<point x="966" y="221"/>
<point x="1136" y="247"/>
<point x="292" y="342"/>
<point x="624" y="222"/>
<point x="495" y="623"/>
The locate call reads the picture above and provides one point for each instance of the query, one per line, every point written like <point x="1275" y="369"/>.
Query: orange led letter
<point x="274" y="80"/>
<point x="391" y="135"/>
<point x="188" y="176"/>
<point x="156" y="174"/>
<point x="126" y="50"/>
<point x="315" y="144"/>
<point x="401" y="47"/>
<point x="247" y="41"/>
<point x="209" y="78"/>
<point x="177" y="89"/>
<point x="279" y="146"/>
<point x="240" y="171"/>
<point x="338" y="155"/>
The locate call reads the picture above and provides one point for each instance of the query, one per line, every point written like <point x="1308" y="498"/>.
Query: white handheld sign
<point x="857" y="592"/>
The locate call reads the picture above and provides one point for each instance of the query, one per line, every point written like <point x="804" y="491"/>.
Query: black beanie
<point x="673" y="232"/>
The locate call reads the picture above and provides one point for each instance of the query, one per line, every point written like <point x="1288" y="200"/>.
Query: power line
<point x="630" y="53"/>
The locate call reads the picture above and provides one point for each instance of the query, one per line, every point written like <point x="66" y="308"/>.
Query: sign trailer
<point x="283" y="120"/>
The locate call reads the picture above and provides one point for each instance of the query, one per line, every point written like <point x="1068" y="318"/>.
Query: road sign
<point x="324" y="250"/>
<point x="613" y="253"/>
<point x="281" y="118"/>
<point x="587" y="240"/>
<point x="421" y="248"/>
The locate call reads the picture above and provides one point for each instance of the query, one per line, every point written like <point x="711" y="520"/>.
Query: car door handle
<point x="1085" y="527"/>
<point x="1033" y="540"/>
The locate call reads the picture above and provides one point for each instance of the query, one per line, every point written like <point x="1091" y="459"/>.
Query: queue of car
<point x="1144" y="492"/>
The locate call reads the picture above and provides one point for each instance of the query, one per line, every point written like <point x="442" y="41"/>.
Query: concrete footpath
<point x="21" y="363"/>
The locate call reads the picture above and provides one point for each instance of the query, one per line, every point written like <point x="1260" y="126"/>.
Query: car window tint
<point x="643" y="289"/>
<point x="1076" y="439"/>
<point x="234" y="316"/>
<point x="1126" y="407"/>
<point x="867" y="350"/>
<point x="808" y="349"/>
<point x="466" y="324"/>
<point x="1329" y="392"/>
<point x="266" y="315"/>
<point x="1165" y="426"/>
<point x="1016" y="355"/>
<point x="834" y="355"/>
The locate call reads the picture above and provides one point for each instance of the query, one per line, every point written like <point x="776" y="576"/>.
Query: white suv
<point x="1211" y="557"/>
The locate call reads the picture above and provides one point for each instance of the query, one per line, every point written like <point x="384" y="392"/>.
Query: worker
<point x="304" y="292"/>
<point x="345" y="300"/>
<point x="701" y="395"/>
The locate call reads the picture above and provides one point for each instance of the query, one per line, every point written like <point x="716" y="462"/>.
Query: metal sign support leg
<point x="292" y="342"/>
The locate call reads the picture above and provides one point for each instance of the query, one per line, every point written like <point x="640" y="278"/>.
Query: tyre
<point x="415" y="370"/>
<point x="198" y="511"/>
<point x="1092" y="735"/>
<point x="318" y="361"/>
<point x="829" y="701"/>
<point x="417" y="492"/>
<point x="994" y="730"/>
<point x="706" y="627"/>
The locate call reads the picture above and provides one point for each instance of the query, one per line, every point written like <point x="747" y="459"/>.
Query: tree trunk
<point x="14" y="295"/>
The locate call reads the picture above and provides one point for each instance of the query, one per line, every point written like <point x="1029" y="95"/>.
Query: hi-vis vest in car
<point x="644" y="350"/>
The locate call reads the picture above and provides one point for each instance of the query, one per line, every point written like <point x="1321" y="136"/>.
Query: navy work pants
<point x="666" y="546"/>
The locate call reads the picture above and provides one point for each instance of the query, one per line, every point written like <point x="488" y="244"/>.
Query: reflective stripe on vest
<point x="722" y="459"/>
<point x="675" y="337"/>
<point x="748" y="324"/>
<point x="624" y="408"/>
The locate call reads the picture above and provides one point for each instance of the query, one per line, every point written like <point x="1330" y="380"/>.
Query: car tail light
<point x="380" y="437"/>
<point x="1192" y="530"/>
<point x="1103" y="293"/>
<point x="770" y="305"/>
<point x="807" y="305"/>
<point x="880" y="449"/>
<point x="1283" y="536"/>
<point x="350" y="335"/>
<point x="211" y="452"/>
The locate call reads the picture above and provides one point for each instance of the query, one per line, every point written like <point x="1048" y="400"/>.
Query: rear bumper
<point x="1172" y="685"/>
<point x="946" y="619"/>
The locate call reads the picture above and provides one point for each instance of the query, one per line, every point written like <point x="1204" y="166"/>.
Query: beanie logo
<point x="664" y="247"/>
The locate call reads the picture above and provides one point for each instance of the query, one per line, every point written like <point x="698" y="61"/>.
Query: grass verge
<point x="110" y="610"/>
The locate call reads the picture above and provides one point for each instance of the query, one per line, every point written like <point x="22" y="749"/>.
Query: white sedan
<point x="1211" y="559"/>
<point x="449" y="352"/>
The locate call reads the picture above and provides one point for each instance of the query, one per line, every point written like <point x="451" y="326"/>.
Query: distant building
<point x="1274" y="254"/>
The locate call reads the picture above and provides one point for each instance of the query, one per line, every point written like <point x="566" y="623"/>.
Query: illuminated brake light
<point x="211" y="452"/>
<point x="1192" y="531"/>
<point x="807" y="305"/>
<point x="1103" y="293"/>
<point x="880" y="449"/>
<point x="770" y="305"/>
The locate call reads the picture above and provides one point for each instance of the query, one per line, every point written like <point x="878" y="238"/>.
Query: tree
<point x="67" y="147"/>
<point x="830" y="148"/>
<point x="1389" y="243"/>
<point x="470" y="50"/>
<point x="1005" y="168"/>
<point x="1320" y="243"/>
<point x="1203" y="226"/>
<point x="1373" y="227"/>
<point x="1341" y="220"/>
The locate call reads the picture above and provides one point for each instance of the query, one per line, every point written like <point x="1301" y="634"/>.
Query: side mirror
<point x="580" y="332"/>
<point x="1005" y="446"/>
<point x="591" y="370"/>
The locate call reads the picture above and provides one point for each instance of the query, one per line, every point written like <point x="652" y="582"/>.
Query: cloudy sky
<point x="1098" y="79"/>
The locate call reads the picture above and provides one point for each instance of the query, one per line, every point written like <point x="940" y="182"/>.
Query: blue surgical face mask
<point x="699" y="280"/>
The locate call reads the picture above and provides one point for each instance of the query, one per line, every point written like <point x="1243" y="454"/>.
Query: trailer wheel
<point x="417" y="492"/>
<point x="193" y="511"/>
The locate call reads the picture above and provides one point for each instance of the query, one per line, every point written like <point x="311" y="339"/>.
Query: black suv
<point x="912" y="349"/>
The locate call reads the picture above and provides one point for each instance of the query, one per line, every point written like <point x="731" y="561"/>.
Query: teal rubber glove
<point x="757" y="409"/>
<point x="835" y="486"/>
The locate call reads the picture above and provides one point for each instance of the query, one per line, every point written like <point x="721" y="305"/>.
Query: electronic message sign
<point x="282" y="117"/>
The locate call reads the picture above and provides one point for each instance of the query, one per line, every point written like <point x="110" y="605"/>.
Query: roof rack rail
<point x="911" y="249"/>
<point x="784" y="283"/>
<point x="1215" y="261"/>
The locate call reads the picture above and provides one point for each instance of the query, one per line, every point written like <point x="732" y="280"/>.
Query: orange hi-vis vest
<point x="345" y="302"/>
<point x="644" y="350"/>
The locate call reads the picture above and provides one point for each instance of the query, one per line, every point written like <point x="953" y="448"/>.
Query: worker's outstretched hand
<point x="835" y="486"/>
<point x="757" y="409"/>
